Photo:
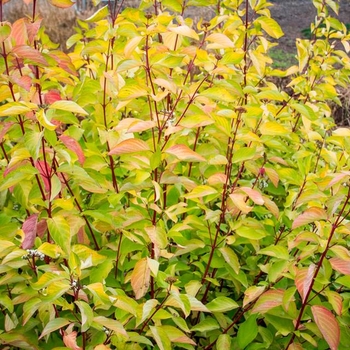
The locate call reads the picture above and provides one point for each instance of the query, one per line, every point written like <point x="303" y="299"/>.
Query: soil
<point x="295" y="15"/>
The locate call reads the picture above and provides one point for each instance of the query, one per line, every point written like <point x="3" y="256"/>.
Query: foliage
<point x="159" y="191"/>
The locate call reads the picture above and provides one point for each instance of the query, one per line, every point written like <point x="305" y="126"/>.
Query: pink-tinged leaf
<point x="254" y="195"/>
<point x="339" y="177"/>
<point x="62" y="3"/>
<point x="217" y="179"/>
<point x="341" y="252"/>
<point x="29" y="229"/>
<point x="295" y="346"/>
<point x="328" y="325"/>
<point x="140" y="278"/>
<point x="303" y="280"/>
<point x="5" y="129"/>
<point x="26" y="52"/>
<point x="268" y="300"/>
<point x="308" y="216"/>
<point x="32" y="29"/>
<point x="270" y="205"/>
<point x="272" y="175"/>
<point x="252" y="293"/>
<point x="142" y="125"/>
<point x="52" y="96"/>
<point x="240" y="202"/>
<point x="129" y="146"/>
<point x="74" y="146"/>
<point x="70" y="338"/>
<point x="19" y="32"/>
<point x="185" y="154"/>
<point x="23" y="81"/>
<point x="64" y="61"/>
<point x="336" y="300"/>
<point x="340" y="265"/>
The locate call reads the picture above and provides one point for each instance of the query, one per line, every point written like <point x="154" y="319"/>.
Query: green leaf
<point x="98" y="15"/>
<point x="87" y="315"/>
<point x="54" y="325"/>
<point x="222" y="304"/>
<point x="208" y="324"/>
<point x="29" y="308"/>
<point x="247" y="331"/>
<point x="161" y="337"/>
<point x="243" y="154"/>
<point x="231" y="258"/>
<point x="111" y="324"/>
<point x="5" y="31"/>
<point x="276" y="251"/>
<point x="60" y="232"/>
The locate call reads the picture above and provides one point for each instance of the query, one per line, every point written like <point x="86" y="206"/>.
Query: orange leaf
<point x="308" y="216"/>
<point x="328" y="325"/>
<point x="272" y="175"/>
<point x="140" y="278"/>
<point x="129" y="146"/>
<point x="303" y="280"/>
<point x="340" y="265"/>
<point x="184" y="153"/>
<point x="70" y="341"/>
<point x="19" y="32"/>
<point x="254" y="195"/>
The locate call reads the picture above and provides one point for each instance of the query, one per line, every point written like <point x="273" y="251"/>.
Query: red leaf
<point x="74" y="146"/>
<point x="41" y="228"/>
<point x="129" y="146"/>
<point x="328" y="325"/>
<point x="268" y="301"/>
<point x="340" y="265"/>
<point x="308" y="216"/>
<point x="24" y="81"/>
<point x="26" y="52"/>
<point x="29" y="229"/>
<point x="303" y="280"/>
<point x="52" y="96"/>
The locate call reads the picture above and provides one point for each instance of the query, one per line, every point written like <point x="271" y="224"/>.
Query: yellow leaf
<point x="185" y="31"/>
<point x="219" y="41"/>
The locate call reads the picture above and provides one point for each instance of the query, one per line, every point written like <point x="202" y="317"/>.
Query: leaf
<point x="70" y="340"/>
<point x="303" y="280"/>
<point x="161" y="337"/>
<point x="336" y="300"/>
<point x="5" y="31"/>
<point x="52" y="96"/>
<point x="62" y="3"/>
<point x="254" y="195"/>
<point x="219" y="41"/>
<point x="274" y="129"/>
<point x="184" y="153"/>
<point x="340" y="265"/>
<point x="54" y="325"/>
<point x="140" y="278"/>
<point x="247" y="331"/>
<point x="74" y="146"/>
<point x="111" y="324"/>
<point x="86" y="315"/>
<point x="208" y="324"/>
<point x="98" y="15"/>
<point x="68" y="106"/>
<point x="270" y="26"/>
<point x="29" y="308"/>
<point x="42" y="119"/>
<point x="327" y="324"/>
<point x="231" y="258"/>
<point x="27" y="53"/>
<point x="14" y="108"/>
<point x="29" y="229"/>
<point x="60" y="232"/>
<point x="129" y="146"/>
<point x="268" y="301"/>
<point x="308" y="216"/>
<point x="243" y="154"/>
<point x="252" y="293"/>
<point x="185" y="31"/>
<point x="222" y="304"/>
<point x="201" y="191"/>
<point x="177" y="336"/>
<point x="276" y="251"/>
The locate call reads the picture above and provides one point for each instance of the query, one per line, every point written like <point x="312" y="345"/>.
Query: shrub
<point x="159" y="191"/>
